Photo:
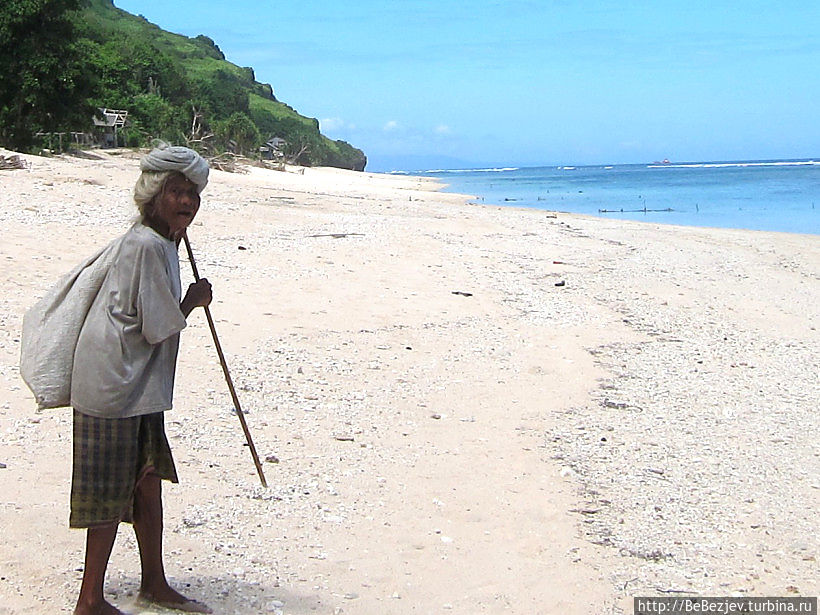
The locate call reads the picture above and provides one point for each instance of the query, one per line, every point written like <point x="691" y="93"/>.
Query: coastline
<point x="769" y="196"/>
<point x="645" y="427"/>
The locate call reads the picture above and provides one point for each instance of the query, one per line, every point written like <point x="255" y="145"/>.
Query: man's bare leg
<point x="148" y="528"/>
<point x="98" y="545"/>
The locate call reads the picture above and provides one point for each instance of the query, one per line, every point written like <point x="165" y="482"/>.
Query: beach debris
<point x="229" y="162"/>
<point x="654" y="555"/>
<point x="462" y="293"/>
<point x="11" y="162"/>
<point x="435" y="415"/>
<point x="272" y="459"/>
<point x="337" y="235"/>
<point x="195" y="520"/>
<point x="343" y="437"/>
<point x="561" y="283"/>
<point x="671" y="591"/>
<point x="2" y="466"/>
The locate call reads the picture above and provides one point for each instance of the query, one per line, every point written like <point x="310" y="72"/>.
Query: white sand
<point x="650" y="426"/>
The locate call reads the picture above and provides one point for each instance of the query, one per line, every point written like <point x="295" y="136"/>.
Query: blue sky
<point x="420" y="83"/>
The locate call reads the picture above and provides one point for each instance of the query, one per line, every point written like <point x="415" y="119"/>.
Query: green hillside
<point x="163" y="80"/>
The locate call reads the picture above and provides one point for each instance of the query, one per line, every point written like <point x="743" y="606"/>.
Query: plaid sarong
<point x="110" y="456"/>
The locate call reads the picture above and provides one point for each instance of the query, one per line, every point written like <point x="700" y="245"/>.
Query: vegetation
<point x="43" y="85"/>
<point x="175" y="88"/>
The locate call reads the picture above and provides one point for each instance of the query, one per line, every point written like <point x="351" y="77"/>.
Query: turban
<point x="176" y="158"/>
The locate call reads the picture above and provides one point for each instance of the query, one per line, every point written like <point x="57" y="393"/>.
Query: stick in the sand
<point x="222" y="362"/>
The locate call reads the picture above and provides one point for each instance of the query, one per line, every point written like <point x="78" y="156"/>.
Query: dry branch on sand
<point x="11" y="162"/>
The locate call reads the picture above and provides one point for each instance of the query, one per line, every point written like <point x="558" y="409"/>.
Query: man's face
<point x="177" y="204"/>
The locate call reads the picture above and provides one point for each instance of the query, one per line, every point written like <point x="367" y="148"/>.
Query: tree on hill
<point x="238" y="133"/>
<point x="43" y="84"/>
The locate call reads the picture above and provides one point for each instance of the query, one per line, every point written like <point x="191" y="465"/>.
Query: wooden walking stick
<point x="222" y="362"/>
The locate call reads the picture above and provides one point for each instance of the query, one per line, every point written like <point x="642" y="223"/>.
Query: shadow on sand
<point x="225" y="596"/>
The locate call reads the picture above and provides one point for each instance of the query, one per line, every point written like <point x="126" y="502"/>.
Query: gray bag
<point x="52" y="326"/>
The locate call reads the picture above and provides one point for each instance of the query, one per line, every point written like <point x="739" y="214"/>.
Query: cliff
<point x="174" y="86"/>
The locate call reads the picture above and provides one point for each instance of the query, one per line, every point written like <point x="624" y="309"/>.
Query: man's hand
<point x="199" y="295"/>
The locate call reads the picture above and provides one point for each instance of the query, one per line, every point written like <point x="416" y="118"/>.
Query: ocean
<point x="771" y="195"/>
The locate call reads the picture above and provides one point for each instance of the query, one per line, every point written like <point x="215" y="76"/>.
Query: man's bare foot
<point x="168" y="598"/>
<point x="97" y="609"/>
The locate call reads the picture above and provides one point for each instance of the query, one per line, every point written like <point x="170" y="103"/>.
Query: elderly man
<point x="122" y="375"/>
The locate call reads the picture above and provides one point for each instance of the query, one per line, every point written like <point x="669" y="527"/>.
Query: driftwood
<point x="230" y="162"/>
<point x="12" y="162"/>
<point x="337" y="235"/>
<point x="273" y="165"/>
<point x="223" y="162"/>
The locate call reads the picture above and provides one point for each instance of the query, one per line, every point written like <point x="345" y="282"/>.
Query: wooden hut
<point x="106" y="125"/>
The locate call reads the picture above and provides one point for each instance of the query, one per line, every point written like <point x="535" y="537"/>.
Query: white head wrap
<point x="176" y="158"/>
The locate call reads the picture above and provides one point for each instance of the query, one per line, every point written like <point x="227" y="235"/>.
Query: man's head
<point x="167" y="191"/>
<point x="174" y="207"/>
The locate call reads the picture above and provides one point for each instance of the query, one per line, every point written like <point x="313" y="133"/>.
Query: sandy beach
<point x="460" y="408"/>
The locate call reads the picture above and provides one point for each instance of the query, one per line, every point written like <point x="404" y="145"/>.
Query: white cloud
<point x="442" y="129"/>
<point x="391" y="125"/>
<point x="332" y="123"/>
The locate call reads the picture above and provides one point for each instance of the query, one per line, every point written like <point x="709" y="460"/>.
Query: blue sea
<point x="771" y="195"/>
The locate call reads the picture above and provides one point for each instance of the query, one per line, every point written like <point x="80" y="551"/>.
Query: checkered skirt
<point x="110" y="456"/>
